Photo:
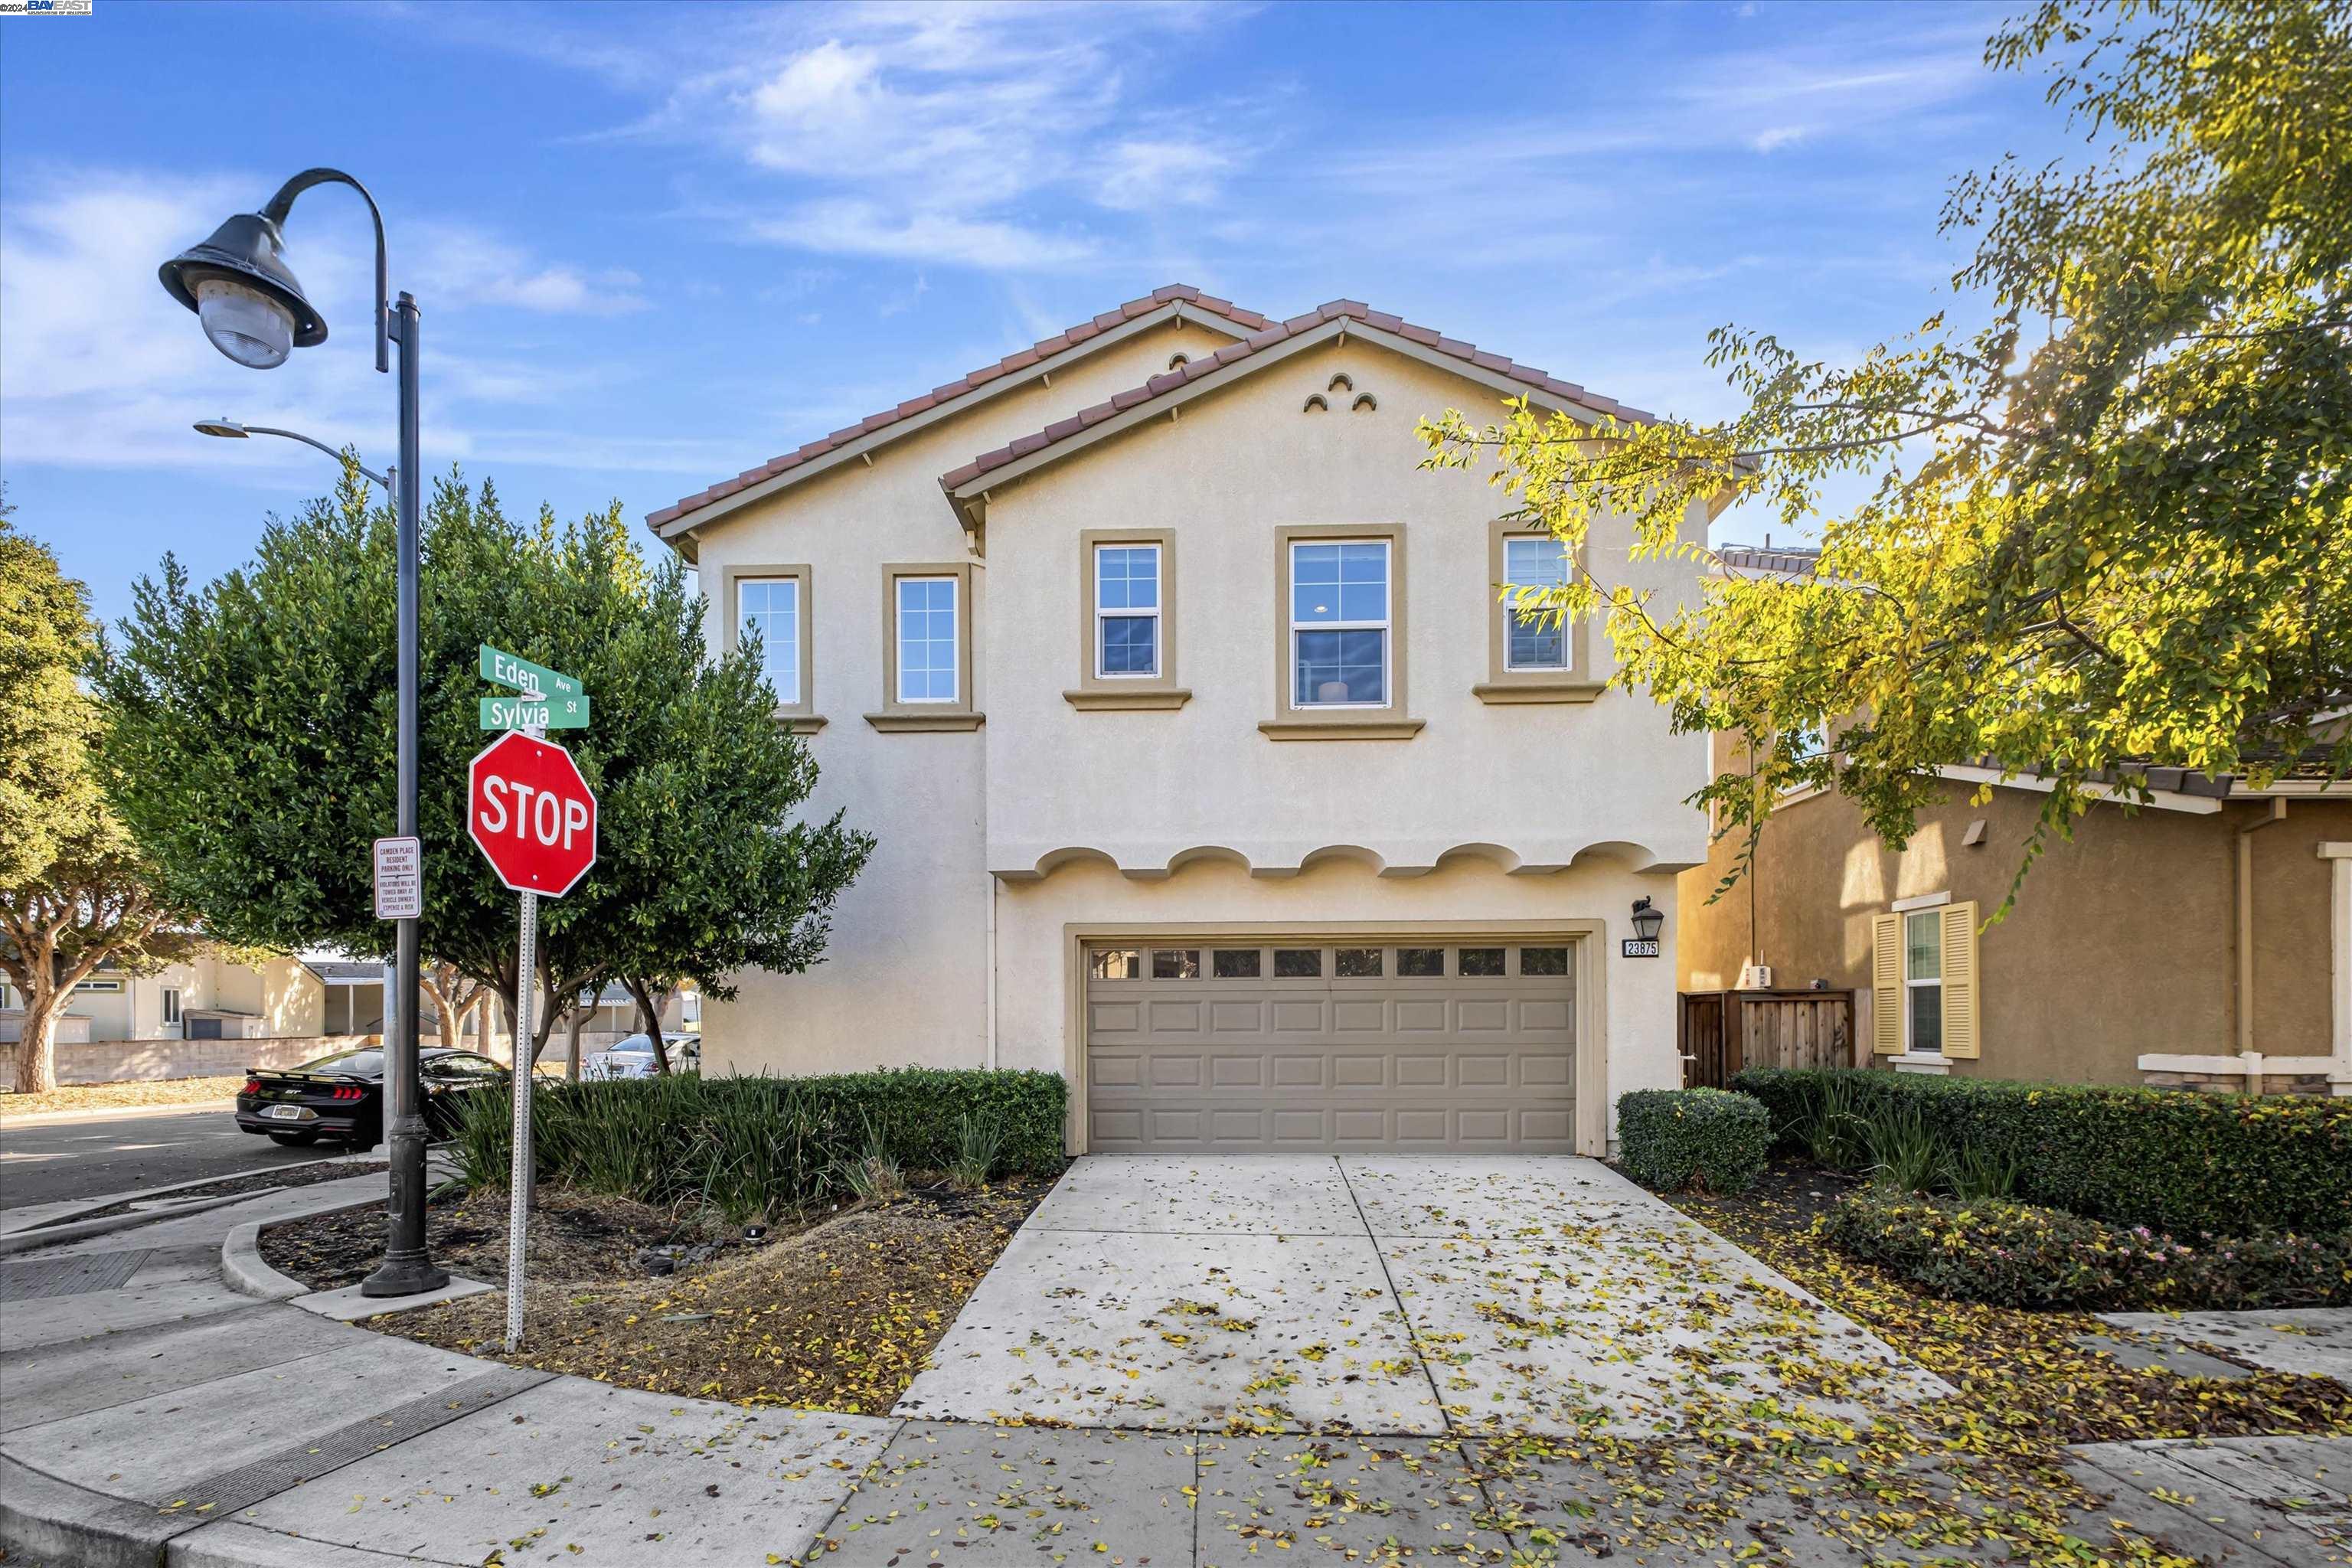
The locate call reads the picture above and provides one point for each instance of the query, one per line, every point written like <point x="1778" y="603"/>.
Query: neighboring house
<point x="2203" y="941"/>
<point x="1205" y="768"/>
<point x="613" y="1011"/>
<point x="205" y="998"/>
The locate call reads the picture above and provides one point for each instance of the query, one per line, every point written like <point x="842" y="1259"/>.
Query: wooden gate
<point x="1721" y="1032"/>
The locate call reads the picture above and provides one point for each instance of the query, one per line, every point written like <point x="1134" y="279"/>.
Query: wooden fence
<point x="1721" y="1032"/>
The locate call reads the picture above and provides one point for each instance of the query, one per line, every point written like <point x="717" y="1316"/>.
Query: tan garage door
<point x="1447" y="1044"/>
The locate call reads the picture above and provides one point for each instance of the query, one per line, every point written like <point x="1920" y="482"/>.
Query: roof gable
<point x="1278" y="342"/>
<point x="1174" y="301"/>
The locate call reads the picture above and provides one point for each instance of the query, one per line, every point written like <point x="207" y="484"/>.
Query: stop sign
<point x="532" y="813"/>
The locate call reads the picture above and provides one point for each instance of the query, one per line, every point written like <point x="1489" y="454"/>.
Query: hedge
<point x="2169" y="1159"/>
<point x="1672" y="1138"/>
<point x="759" y="1146"/>
<point x="2017" y="1255"/>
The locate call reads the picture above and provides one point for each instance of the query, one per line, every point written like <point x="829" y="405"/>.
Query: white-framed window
<point x="1339" y="620"/>
<point x="770" y="606"/>
<point x="170" y="1003"/>
<point x="1923" y="982"/>
<point x="100" y="985"/>
<point x="927" y="640"/>
<point x="1537" y="641"/>
<point x="1127" y="611"/>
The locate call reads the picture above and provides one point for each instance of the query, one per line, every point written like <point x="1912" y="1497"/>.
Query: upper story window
<point x="1127" y="611"/>
<point x="928" y="611"/>
<point x="1537" y="641"/>
<point x="1339" y="623"/>
<point x="770" y="607"/>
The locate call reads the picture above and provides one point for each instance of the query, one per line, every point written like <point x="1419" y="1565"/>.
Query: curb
<point x="50" y="1521"/>
<point x="99" y="1113"/>
<point x="107" y="1200"/>
<point x="17" y="1241"/>
<point x="242" y="1270"/>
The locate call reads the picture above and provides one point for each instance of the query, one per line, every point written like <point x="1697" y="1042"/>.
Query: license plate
<point x="284" y="1113"/>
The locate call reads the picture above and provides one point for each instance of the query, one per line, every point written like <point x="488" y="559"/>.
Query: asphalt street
<point x="72" y="1158"/>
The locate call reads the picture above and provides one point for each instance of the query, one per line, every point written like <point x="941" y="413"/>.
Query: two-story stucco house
<point x="1206" y="768"/>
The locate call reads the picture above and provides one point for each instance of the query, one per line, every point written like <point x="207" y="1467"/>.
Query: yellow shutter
<point x="1886" y="984"/>
<point x="1960" y="1010"/>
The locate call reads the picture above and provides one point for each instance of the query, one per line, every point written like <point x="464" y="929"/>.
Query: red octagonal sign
<point x="532" y="813"/>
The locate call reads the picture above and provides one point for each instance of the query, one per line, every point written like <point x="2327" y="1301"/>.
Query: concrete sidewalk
<point x="150" y="1414"/>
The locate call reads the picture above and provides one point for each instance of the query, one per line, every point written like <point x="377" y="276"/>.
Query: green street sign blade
<point x="523" y="712"/>
<point x="508" y="670"/>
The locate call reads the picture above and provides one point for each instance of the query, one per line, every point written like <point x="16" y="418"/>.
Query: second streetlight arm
<point x="321" y="446"/>
<point x="283" y="204"/>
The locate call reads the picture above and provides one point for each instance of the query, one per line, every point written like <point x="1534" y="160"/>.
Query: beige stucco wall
<point x="905" y="975"/>
<point x="2122" y="942"/>
<point x="1544" y="782"/>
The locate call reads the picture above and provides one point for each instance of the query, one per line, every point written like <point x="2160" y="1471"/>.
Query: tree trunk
<point x="648" y="1011"/>
<point x="577" y="1016"/>
<point x="36" y="1049"/>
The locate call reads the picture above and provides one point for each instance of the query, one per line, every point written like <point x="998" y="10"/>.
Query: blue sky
<point x="657" y="244"/>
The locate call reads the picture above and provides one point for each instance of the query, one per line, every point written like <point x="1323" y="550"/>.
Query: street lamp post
<point x="233" y="430"/>
<point x="254" y="311"/>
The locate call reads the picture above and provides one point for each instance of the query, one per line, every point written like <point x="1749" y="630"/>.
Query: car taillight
<point x="350" y="1092"/>
<point x="253" y="1086"/>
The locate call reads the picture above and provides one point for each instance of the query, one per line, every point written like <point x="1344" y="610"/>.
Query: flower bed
<point x="2011" y="1254"/>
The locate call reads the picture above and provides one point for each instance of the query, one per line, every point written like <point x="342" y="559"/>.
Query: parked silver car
<point x="634" y="1057"/>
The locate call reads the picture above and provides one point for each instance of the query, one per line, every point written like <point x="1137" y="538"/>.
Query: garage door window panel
<point x="1237" y="962"/>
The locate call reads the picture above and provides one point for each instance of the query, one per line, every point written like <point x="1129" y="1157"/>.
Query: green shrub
<point x="1904" y="1152"/>
<point x="751" y="1146"/>
<point x="1704" y="1138"/>
<point x="1981" y="1173"/>
<point x="2227" y="1164"/>
<point x="2017" y="1255"/>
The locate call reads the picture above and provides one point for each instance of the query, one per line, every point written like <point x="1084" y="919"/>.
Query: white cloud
<point x="99" y="368"/>
<point x="1773" y="138"/>
<point x="847" y="226"/>
<point x="1155" y="174"/>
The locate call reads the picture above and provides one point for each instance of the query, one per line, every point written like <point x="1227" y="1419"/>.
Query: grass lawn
<point x="113" y="1096"/>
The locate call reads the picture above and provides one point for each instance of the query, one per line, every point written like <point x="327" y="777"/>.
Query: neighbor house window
<point x="1537" y="640"/>
<point x="1127" y="610"/>
<point x="1923" y="980"/>
<point x="1339" y="611"/>
<point x="170" y="1003"/>
<point x="100" y="985"/>
<point x="770" y="609"/>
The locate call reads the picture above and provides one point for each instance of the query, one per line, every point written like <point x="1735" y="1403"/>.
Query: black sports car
<point x="341" y="1096"/>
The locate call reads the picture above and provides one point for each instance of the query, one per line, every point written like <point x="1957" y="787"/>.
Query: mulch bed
<point x="837" y="1314"/>
<point x="236" y="1186"/>
<point x="2023" y="1380"/>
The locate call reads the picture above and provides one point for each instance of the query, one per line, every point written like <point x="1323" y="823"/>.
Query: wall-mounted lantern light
<point x="1647" y="921"/>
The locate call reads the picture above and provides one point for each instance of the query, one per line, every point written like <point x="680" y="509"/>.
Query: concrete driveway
<point x="1409" y="1296"/>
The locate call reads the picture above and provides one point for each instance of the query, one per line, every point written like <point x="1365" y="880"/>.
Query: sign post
<point x="534" y="818"/>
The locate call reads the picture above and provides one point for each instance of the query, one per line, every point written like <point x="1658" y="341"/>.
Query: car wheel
<point x="294" y="1140"/>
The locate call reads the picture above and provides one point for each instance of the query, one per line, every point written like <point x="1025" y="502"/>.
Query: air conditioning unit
<point x="1755" y="978"/>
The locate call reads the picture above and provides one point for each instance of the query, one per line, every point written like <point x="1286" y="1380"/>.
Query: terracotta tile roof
<point x="1788" y="560"/>
<point x="1277" y="333"/>
<point x="1044" y="348"/>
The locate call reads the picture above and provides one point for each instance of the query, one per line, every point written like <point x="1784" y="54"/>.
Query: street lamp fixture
<point x="253" y="309"/>
<point x="233" y="430"/>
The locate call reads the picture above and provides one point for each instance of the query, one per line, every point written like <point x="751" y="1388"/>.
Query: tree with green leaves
<point x="2108" y="515"/>
<point x="252" y="750"/>
<point x="75" y="892"/>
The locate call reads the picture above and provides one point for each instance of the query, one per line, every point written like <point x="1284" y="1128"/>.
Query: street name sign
<point x="531" y="813"/>
<point x="399" y="879"/>
<point x="504" y="668"/>
<point x="534" y="712"/>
